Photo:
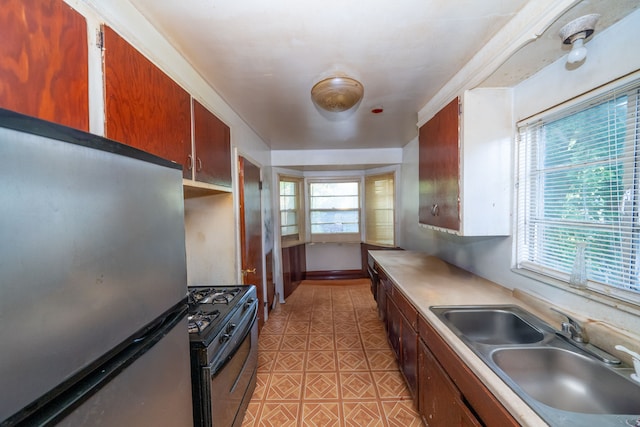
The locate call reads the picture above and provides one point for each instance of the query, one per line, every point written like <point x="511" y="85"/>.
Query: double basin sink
<point x="561" y="381"/>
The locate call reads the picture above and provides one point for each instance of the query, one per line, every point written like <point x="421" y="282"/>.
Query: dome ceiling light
<point x="337" y="94"/>
<point x="575" y="33"/>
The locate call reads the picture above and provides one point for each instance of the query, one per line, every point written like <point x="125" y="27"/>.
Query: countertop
<point x="427" y="281"/>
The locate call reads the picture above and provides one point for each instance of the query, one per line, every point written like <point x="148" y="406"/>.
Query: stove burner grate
<point x="199" y="321"/>
<point x="213" y="295"/>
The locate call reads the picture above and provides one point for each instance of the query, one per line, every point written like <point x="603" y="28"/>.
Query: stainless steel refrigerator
<point x="92" y="281"/>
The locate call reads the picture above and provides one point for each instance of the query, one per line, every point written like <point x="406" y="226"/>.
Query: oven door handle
<point x="222" y="363"/>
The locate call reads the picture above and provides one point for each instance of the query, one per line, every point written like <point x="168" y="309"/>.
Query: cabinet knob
<point x="252" y="271"/>
<point x="435" y="210"/>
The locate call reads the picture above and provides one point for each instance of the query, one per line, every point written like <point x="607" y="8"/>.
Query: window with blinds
<point x="578" y="181"/>
<point x="291" y="213"/>
<point x="379" y="209"/>
<point x="334" y="211"/>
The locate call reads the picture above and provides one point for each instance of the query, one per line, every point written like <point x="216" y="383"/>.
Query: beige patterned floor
<point x="324" y="361"/>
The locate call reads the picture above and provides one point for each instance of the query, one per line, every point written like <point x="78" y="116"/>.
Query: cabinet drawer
<point x="424" y="329"/>
<point x="406" y="308"/>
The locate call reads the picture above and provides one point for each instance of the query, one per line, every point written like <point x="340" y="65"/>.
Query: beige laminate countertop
<point x="429" y="281"/>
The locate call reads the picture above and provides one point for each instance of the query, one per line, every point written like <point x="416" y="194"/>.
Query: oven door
<point x="232" y="380"/>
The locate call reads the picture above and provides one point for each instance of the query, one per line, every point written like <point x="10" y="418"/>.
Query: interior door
<point x="251" y="229"/>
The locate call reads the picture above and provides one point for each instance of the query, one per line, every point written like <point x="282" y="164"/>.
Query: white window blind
<point x="578" y="182"/>
<point x="334" y="211"/>
<point x="379" y="209"/>
<point x="291" y="225"/>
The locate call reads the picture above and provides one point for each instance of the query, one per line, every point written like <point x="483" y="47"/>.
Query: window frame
<point x="299" y="238"/>
<point x="629" y="85"/>
<point x="369" y="222"/>
<point x="355" y="237"/>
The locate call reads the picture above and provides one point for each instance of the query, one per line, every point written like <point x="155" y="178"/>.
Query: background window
<point x="290" y="209"/>
<point x="334" y="211"/>
<point x="379" y="209"/>
<point x="578" y="182"/>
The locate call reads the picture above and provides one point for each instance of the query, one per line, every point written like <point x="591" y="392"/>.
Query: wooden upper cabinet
<point x="212" y="148"/>
<point x="43" y="61"/>
<point x="439" y="169"/>
<point x="144" y="107"/>
<point x="465" y="165"/>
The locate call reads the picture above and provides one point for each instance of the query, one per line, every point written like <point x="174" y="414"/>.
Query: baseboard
<point x="335" y="275"/>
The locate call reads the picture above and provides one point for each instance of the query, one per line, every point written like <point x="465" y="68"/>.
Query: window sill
<point x="291" y="243"/>
<point x="601" y="298"/>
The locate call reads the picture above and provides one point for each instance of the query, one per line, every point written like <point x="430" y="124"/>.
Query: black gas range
<point x="211" y="306"/>
<point x="223" y="335"/>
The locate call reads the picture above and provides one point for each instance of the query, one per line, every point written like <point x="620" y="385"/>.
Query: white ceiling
<point x="263" y="57"/>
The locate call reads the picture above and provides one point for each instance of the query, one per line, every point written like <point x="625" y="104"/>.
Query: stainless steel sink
<point x="495" y="326"/>
<point x="569" y="381"/>
<point x="562" y="382"/>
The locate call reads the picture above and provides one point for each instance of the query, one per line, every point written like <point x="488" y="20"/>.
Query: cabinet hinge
<point x="100" y="39"/>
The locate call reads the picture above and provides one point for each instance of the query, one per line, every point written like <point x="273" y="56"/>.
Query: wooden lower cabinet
<point x="394" y="326"/>
<point x="409" y="356"/>
<point x="440" y="402"/>
<point x="446" y="392"/>
<point x="294" y="267"/>
<point x="450" y="394"/>
<point x="402" y="334"/>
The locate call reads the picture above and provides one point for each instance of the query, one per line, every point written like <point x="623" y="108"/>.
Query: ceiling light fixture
<point x="575" y="33"/>
<point x="337" y="94"/>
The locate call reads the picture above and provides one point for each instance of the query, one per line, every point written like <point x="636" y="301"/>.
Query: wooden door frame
<point x="237" y="153"/>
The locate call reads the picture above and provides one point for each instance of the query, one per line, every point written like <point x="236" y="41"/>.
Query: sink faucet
<point x="572" y="328"/>
<point x="574" y="333"/>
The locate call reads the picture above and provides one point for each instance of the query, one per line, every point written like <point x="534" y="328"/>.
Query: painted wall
<point x="612" y="54"/>
<point x="208" y="222"/>
<point x="333" y="256"/>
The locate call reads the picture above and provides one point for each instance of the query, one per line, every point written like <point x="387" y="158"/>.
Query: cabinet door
<point x="382" y="302"/>
<point x="144" y="108"/>
<point x="409" y="359"/>
<point x="43" y="61"/>
<point x="438" y="397"/>
<point x="212" y="154"/>
<point x="467" y="418"/>
<point x="439" y="169"/>
<point x="394" y="326"/>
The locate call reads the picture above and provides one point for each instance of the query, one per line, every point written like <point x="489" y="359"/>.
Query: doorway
<point x="251" y="229"/>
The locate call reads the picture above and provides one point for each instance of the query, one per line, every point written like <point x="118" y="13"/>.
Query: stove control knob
<point x="249" y="303"/>
<point x="224" y="338"/>
<point x="231" y="327"/>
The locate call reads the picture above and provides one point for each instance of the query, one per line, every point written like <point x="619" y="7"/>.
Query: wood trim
<point x="336" y="274"/>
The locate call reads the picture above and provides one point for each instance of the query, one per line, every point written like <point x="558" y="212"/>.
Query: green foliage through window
<point x="578" y="182"/>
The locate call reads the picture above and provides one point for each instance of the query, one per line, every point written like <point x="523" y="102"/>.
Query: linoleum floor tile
<point x="324" y="360"/>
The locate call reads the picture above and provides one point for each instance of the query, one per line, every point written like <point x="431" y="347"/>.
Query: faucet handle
<point x="636" y="361"/>
<point x="572" y="327"/>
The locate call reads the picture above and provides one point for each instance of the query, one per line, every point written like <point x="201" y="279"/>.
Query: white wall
<point x="612" y="54"/>
<point x="210" y="237"/>
<point x="333" y="256"/>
